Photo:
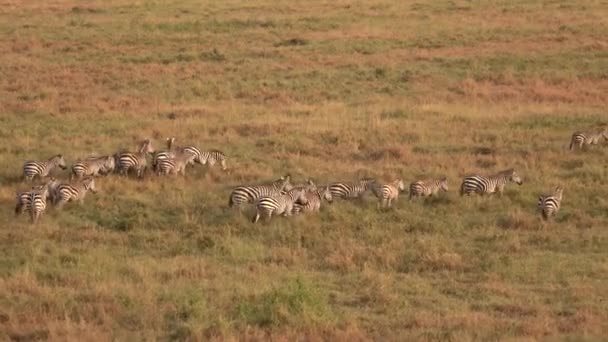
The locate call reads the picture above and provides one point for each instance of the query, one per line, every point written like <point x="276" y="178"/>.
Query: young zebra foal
<point x="176" y="164"/>
<point x="279" y="204"/>
<point x="488" y="184"/>
<point x="32" y="169"/>
<point x="37" y="204"/>
<point x="315" y="197"/>
<point x="201" y="157"/>
<point x="93" y="166"/>
<point x="24" y="198"/>
<point x="588" y="138"/>
<point x="67" y="192"/>
<point x="549" y="204"/>
<point x="388" y="192"/>
<point x="126" y="161"/>
<point x="428" y="187"/>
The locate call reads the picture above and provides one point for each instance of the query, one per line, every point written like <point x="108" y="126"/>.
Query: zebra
<point x="32" y="169"/>
<point x="428" y="187"/>
<point x="23" y="199"/>
<point x="67" y="192"/>
<point x="314" y="196"/>
<point x="249" y="194"/>
<point x="549" y="204"/>
<point x="37" y="203"/>
<point x="175" y="164"/>
<point x="388" y="192"/>
<point x="350" y="190"/>
<point x="588" y="138"/>
<point x="93" y="166"/>
<point x="281" y="203"/>
<point x="202" y="157"/>
<point x="488" y="184"/>
<point x="126" y="161"/>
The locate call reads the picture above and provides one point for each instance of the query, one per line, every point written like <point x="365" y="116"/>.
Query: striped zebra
<point x="37" y="204"/>
<point x="428" y="187"/>
<point x="32" y="169"/>
<point x="23" y="199"/>
<point x="588" y="138"/>
<point x="314" y="197"/>
<point x="249" y="194"/>
<point x="93" y="166"/>
<point x="489" y="184"/>
<point x="66" y="192"/>
<point x="549" y="204"/>
<point x="202" y="157"/>
<point x="350" y="190"/>
<point x="126" y="161"/>
<point x="279" y="204"/>
<point x="176" y="164"/>
<point x="388" y="192"/>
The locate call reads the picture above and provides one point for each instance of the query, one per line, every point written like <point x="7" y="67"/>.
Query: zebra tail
<point x="571" y="144"/>
<point x="230" y="202"/>
<point x="255" y="218"/>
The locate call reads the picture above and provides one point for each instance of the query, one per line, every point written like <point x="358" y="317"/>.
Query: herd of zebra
<point x="278" y="197"/>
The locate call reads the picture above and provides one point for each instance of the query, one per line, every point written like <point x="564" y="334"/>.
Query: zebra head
<point x="443" y="184"/>
<point x="514" y="177"/>
<point x="284" y="184"/>
<point x="109" y="164"/>
<point x="59" y="161"/>
<point x="146" y="147"/>
<point x="89" y="184"/>
<point x="298" y="195"/>
<point x="326" y="194"/>
<point x="400" y="185"/>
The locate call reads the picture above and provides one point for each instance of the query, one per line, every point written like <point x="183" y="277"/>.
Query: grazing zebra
<point x="279" y="204"/>
<point x="249" y="194"/>
<point x="350" y="190"/>
<point x="67" y="192"/>
<point x="314" y="196"/>
<point x="93" y="166"/>
<point x="589" y="138"/>
<point x="126" y="161"/>
<point x="23" y="199"/>
<point x="32" y="169"/>
<point x="202" y="157"/>
<point x="176" y="164"/>
<point x="549" y="204"/>
<point x="428" y="187"/>
<point x="388" y="192"/>
<point x="37" y="204"/>
<point x="488" y="184"/>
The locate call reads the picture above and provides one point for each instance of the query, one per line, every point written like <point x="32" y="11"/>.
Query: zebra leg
<point x="256" y="217"/>
<point x="18" y="209"/>
<point x="223" y="164"/>
<point x="390" y="203"/>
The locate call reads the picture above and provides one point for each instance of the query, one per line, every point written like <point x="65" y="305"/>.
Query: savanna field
<point x="331" y="90"/>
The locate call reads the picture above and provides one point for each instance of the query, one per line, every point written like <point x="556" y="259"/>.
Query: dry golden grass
<point x="332" y="90"/>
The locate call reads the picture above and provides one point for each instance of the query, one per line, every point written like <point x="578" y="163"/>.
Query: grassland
<point x="325" y="89"/>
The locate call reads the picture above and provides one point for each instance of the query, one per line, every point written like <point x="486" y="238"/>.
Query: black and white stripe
<point x="67" y="192"/>
<point x="388" y="192"/>
<point x="588" y="138"/>
<point x="93" y="166"/>
<point x="32" y="169"/>
<point x="176" y="164"/>
<point x="488" y="184"/>
<point x="314" y="197"/>
<point x="249" y="194"/>
<point x="279" y="204"/>
<point x="549" y="204"/>
<point x="126" y="161"/>
<point x="23" y="199"/>
<point x="37" y="204"/>
<point x="350" y="190"/>
<point x="201" y="157"/>
<point x="428" y="187"/>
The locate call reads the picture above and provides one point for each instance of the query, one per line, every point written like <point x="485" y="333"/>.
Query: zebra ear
<point x="311" y="183"/>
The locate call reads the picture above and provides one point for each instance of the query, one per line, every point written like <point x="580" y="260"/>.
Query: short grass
<point x="332" y="90"/>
